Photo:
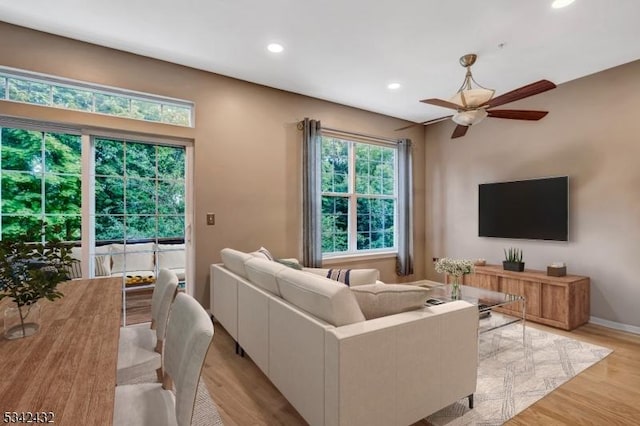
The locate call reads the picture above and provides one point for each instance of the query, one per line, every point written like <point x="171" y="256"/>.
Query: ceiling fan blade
<point x="521" y="93"/>
<point x="441" y="103"/>
<point x="459" y="131"/>
<point x="435" y="120"/>
<point x="517" y="114"/>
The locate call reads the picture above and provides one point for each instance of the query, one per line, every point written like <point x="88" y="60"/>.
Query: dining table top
<point x="66" y="372"/>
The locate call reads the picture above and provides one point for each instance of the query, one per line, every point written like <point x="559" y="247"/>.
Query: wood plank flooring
<point x="138" y="306"/>
<point x="607" y="393"/>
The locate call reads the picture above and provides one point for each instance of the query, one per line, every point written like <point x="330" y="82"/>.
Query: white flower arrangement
<point x="455" y="267"/>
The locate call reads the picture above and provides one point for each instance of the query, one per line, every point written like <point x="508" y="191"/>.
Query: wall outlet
<point x="211" y="219"/>
<point x="435" y="259"/>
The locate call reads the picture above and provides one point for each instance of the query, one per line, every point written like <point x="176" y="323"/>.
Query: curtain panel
<point x="404" y="260"/>
<point x="312" y="213"/>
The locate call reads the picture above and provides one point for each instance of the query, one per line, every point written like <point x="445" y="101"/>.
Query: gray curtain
<point x="404" y="261"/>
<point x="312" y="214"/>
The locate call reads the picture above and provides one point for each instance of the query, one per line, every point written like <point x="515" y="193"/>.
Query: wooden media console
<point x="562" y="302"/>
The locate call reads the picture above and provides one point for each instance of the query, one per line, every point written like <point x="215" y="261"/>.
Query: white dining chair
<point x="189" y="334"/>
<point x="140" y="346"/>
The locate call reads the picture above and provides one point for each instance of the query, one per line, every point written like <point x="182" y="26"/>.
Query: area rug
<point x="511" y="376"/>
<point x="205" y="412"/>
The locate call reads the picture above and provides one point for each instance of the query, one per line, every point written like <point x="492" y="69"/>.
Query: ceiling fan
<point x="474" y="104"/>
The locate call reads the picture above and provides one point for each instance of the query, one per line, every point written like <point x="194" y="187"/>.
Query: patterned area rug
<point x="511" y="376"/>
<point x="205" y="412"/>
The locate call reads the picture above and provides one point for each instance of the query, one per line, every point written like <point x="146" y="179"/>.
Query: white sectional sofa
<point x="309" y="336"/>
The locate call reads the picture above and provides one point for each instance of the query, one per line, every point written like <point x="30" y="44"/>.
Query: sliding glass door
<point x="140" y="215"/>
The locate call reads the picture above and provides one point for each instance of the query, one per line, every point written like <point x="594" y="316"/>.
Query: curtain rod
<point x="355" y="134"/>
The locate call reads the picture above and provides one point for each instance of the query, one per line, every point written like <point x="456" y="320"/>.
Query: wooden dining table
<point x="68" y="368"/>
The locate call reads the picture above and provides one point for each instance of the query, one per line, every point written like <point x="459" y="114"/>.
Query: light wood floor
<point x="608" y="393"/>
<point x="138" y="306"/>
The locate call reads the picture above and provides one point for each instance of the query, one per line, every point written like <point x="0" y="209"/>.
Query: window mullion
<point x="43" y="191"/>
<point x="353" y="201"/>
<point x="87" y="208"/>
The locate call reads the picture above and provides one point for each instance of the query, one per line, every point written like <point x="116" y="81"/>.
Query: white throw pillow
<point x="171" y="256"/>
<point x="355" y="276"/>
<point x="139" y="257"/>
<point x="379" y="300"/>
<point x="262" y="253"/>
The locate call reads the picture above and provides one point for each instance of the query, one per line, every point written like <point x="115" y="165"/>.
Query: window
<point x="40" y="181"/>
<point x="359" y="196"/>
<point x="38" y="89"/>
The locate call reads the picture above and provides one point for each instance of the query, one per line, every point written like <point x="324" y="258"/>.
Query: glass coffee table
<point x="484" y="299"/>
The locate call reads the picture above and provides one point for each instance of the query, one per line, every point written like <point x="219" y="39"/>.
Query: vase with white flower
<point x="455" y="269"/>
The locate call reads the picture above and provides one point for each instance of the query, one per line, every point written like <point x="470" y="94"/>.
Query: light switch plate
<point x="211" y="219"/>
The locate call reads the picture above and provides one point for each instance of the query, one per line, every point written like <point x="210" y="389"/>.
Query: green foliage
<point x="31" y="159"/>
<point x="513" y="255"/>
<point x="66" y="97"/>
<point x="142" y="182"/>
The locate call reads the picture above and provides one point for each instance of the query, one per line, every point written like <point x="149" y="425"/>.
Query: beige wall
<point x="591" y="134"/>
<point x="247" y="146"/>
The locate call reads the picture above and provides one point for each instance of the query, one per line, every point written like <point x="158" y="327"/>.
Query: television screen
<point x="536" y="209"/>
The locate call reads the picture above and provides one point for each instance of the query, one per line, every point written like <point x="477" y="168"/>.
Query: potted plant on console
<point x="513" y="260"/>
<point x="29" y="272"/>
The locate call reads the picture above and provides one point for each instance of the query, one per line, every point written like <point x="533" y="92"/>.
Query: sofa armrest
<point x="401" y="368"/>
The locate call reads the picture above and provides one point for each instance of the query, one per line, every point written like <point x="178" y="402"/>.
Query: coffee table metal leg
<point x="524" y="319"/>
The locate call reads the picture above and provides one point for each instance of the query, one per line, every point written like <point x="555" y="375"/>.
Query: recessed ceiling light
<point x="393" y="86"/>
<point x="557" y="4"/>
<point x="275" y="48"/>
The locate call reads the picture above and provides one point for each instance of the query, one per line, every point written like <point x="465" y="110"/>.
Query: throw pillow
<point x="289" y="263"/>
<point x="340" y="275"/>
<point x="102" y="269"/>
<point x="262" y="253"/>
<point x="74" y="271"/>
<point x="379" y="300"/>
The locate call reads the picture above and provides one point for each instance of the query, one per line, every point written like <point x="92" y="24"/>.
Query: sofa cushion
<point x="328" y="300"/>
<point x="263" y="274"/>
<point x="132" y="257"/>
<point x="234" y="261"/>
<point x="356" y="276"/>
<point x="171" y="256"/>
<point x="379" y="300"/>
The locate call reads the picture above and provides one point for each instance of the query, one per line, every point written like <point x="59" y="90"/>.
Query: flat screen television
<point x="535" y="209"/>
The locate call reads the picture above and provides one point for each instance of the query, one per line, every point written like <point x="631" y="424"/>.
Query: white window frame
<point x="353" y="197"/>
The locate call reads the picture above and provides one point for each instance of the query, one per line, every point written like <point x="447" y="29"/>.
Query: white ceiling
<point x="347" y="51"/>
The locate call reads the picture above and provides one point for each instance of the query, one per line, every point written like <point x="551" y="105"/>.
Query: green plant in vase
<point x="455" y="269"/>
<point x="29" y="272"/>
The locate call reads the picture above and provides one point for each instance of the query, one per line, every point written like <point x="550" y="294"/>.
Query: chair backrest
<point x="189" y="333"/>
<point x="163" y="293"/>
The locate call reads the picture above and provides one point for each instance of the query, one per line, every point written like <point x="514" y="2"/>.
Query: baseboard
<point x="615" y="325"/>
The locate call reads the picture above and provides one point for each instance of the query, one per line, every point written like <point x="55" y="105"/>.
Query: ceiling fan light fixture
<point x="469" y="118"/>
<point x="472" y="98"/>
